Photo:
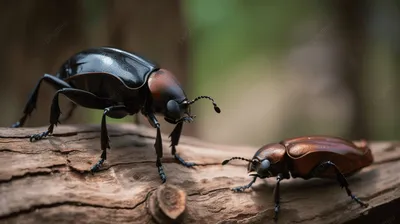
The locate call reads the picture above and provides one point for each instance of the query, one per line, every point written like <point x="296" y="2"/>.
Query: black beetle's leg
<point x="104" y="138"/>
<point x="242" y="188"/>
<point x="88" y="100"/>
<point x="81" y="97"/>
<point x="277" y="196"/>
<point x="70" y="112"/>
<point x="340" y="178"/>
<point x="159" y="150"/>
<point x="31" y="104"/>
<point x="157" y="145"/>
<point x="175" y="135"/>
<point x="54" y="116"/>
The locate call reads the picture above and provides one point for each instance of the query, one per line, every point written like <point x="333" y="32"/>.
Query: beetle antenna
<point x="233" y="158"/>
<point x="216" y="108"/>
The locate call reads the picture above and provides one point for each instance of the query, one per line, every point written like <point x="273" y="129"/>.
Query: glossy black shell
<point x="131" y="69"/>
<point x="111" y="74"/>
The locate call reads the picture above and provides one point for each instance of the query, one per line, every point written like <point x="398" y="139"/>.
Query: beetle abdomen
<point x="307" y="152"/>
<point x="131" y="69"/>
<point x="324" y="138"/>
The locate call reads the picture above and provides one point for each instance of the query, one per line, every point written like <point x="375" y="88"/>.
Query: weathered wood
<point x="47" y="182"/>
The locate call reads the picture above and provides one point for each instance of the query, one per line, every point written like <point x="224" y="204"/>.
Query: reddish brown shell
<point x="274" y="152"/>
<point x="309" y="151"/>
<point x="162" y="82"/>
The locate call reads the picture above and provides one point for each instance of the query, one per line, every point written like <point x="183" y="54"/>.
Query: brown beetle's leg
<point x="242" y="188"/>
<point x="157" y="145"/>
<point x="277" y="196"/>
<point x="31" y="104"/>
<point x="104" y="138"/>
<point x="340" y="178"/>
<point x="175" y="135"/>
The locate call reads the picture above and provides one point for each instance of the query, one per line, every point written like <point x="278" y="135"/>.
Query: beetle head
<point x="169" y="98"/>
<point x="176" y="112"/>
<point x="259" y="168"/>
<point x="256" y="167"/>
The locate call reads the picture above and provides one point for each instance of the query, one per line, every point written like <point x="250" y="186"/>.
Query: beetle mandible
<point x="119" y="83"/>
<point x="307" y="157"/>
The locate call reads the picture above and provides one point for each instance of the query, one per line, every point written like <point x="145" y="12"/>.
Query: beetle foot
<point x="20" y="123"/>
<point x="162" y="174"/>
<point x="355" y="198"/>
<point x="97" y="166"/>
<point x="37" y="137"/>
<point x="183" y="162"/>
<point x="359" y="201"/>
<point x="276" y="212"/>
<point x="16" y="125"/>
<point x="239" y="189"/>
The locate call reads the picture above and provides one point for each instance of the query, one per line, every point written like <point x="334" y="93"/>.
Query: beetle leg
<point x="340" y="178"/>
<point x="242" y="188"/>
<point x="70" y="112"/>
<point x="54" y="115"/>
<point x="157" y="145"/>
<point x="31" y="104"/>
<point x="159" y="151"/>
<point x="104" y="138"/>
<point x="175" y="135"/>
<point x="277" y="196"/>
<point x="81" y="97"/>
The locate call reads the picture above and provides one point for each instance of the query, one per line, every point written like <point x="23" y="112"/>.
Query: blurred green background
<point x="277" y="69"/>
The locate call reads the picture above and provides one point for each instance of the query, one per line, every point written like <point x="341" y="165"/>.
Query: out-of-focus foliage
<point x="273" y="66"/>
<point x="277" y="69"/>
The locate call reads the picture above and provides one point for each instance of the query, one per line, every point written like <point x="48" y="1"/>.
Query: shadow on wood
<point x="48" y="181"/>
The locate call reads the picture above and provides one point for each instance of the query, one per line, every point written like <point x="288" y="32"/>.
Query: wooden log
<point x="48" y="182"/>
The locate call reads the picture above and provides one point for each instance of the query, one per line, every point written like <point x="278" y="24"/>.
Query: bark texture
<point x="48" y="182"/>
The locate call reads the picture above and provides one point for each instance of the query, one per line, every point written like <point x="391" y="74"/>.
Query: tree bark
<point x="48" y="182"/>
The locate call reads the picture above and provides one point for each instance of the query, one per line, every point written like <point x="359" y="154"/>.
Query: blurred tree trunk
<point x="351" y="26"/>
<point x="40" y="35"/>
<point x="156" y="30"/>
<point x="396" y="90"/>
<point x="396" y="77"/>
<point x="37" y="36"/>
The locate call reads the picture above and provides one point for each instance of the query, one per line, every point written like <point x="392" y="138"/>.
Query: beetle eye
<point x="265" y="164"/>
<point x="173" y="109"/>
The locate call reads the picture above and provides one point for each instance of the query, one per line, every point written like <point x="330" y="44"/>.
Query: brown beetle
<point x="308" y="157"/>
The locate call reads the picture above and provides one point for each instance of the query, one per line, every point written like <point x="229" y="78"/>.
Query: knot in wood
<point x="167" y="204"/>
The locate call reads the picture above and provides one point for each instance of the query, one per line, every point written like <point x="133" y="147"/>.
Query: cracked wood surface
<point x="48" y="181"/>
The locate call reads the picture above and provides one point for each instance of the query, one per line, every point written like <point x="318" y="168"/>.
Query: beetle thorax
<point x="268" y="161"/>
<point x="164" y="87"/>
<point x="168" y="98"/>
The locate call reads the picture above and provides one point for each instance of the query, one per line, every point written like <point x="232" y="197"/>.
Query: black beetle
<point x="308" y="157"/>
<point x="119" y="83"/>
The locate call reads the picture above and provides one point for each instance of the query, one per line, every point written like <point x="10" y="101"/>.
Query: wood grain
<point x="48" y="182"/>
